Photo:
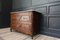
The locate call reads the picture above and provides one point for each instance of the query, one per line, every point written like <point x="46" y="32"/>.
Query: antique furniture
<point x="25" y="22"/>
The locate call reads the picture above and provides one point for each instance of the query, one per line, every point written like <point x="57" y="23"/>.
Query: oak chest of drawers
<point x="26" y="22"/>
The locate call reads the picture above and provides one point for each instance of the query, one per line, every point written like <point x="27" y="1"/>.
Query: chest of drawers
<point x="26" y="22"/>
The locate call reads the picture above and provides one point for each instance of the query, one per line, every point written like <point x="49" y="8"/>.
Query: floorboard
<point x="5" y="34"/>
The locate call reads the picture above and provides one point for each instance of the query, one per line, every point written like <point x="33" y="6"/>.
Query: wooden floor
<point x="5" y="34"/>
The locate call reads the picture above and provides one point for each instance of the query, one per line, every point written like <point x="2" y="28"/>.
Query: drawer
<point x="25" y="28"/>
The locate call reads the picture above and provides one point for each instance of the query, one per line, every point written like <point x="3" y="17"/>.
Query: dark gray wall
<point x="0" y="5"/>
<point x="50" y="10"/>
<point x="6" y="7"/>
<point x="36" y="2"/>
<point x="21" y="4"/>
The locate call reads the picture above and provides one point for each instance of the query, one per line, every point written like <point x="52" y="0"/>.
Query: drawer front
<point x="24" y="23"/>
<point x="25" y="28"/>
